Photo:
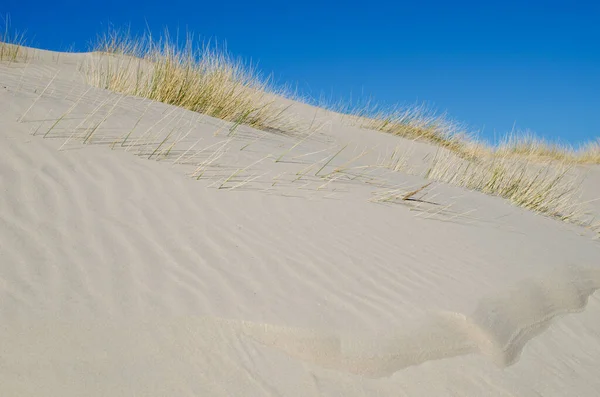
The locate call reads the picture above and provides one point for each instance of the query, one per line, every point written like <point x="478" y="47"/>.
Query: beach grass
<point x="204" y="79"/>
<point x="528" y="145"/>
<point x="526" y="170"/>
<point x="12" y="44"/>
<point x="551" y="189"/>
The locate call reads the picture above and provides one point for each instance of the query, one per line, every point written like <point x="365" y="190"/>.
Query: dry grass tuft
<point x="548" y="189"/>
<point x="11" y="45"/>
<point x="411" y="122"/>
<point x="205" y="80"/>
<point x="534" y="148"/>
<point x="589" y="153"/>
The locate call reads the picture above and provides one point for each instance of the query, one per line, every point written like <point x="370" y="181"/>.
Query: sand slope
<point x="121" y="275"/>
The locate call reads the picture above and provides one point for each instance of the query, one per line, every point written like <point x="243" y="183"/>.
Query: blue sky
<point x="492" y="65"/>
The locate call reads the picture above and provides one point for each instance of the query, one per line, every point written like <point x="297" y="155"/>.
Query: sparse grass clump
<point x="590" y="153"/>
<point x="412" y="122"/>
<point x="205" y="80"/>
<point x="548" y="189"/>
<point x="420" y="123"/>
<point x="529" y="146"/>
<point x="11" y="45"/>
<point x="416" y="123"/>
<point x="10" y="52"/>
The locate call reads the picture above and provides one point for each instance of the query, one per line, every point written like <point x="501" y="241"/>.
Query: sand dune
<point x="499" y="329"/>
<point x="237" y="262"/>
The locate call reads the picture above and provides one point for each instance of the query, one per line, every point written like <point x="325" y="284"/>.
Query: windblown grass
<point x="420" y="124"/>
<point x="205" y="80"/>
<point x="11" y="45"/>
<point x="527" y="171"/>
<point x="534" y="148"/>
<point x="549" y="189"/>
<point x="209" y="81"/>
<point x="423" y="124"/>
<point x="589" y="153"/>
<point x="411" y="122"/>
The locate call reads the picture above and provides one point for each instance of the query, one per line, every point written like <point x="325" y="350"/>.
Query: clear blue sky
<point x="489" y="64"/>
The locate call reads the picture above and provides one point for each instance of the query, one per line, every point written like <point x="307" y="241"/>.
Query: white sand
<point x="121" y="275"/>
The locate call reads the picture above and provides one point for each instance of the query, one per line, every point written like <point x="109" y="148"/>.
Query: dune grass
<point x="202" y="79"/>
<point x="527" y="171"/>
<point x="415" y="122"/>
<point x="418" y="122"/>
<point x="10" y="52"/>
<point x="589" y="153"/>
<point x="412" y="122"/>
<point x="529" y="146"/>
<point x="11" y="44"/>
<point x="208" y="80"/>
<point x="550" y="189"/>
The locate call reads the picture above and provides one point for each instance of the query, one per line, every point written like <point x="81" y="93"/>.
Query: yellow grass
<point x="415" y="123"/>
<point x="209" y="81"/>
<point x="549" y="189"/>
<point x="412" y="122"/>
<point x="11" y="45"/>
<point x="526" y="170"/>
<point x="420" y="123"/>
<point x="590" y="153"/>
<point x="205" y="80"/>
<point x="531" y="147"/>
